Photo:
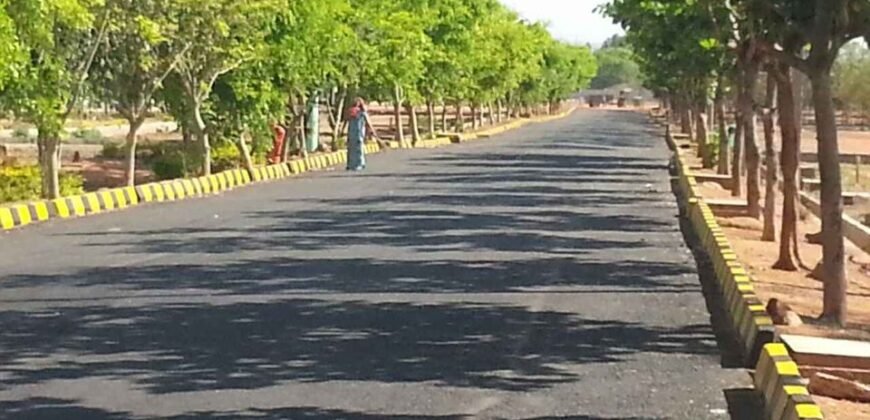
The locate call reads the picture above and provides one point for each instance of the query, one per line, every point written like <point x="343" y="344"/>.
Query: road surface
<point x="539" y="274"/>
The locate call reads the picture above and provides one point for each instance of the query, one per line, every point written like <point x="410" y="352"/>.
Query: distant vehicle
<point x="623" y="97"/>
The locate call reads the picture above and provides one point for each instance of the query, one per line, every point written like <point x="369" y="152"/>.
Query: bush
<point x="172" y="160"/>
<point x="89" y="136"/>
<point x="169" y="166"/>
<point x="21" y="183"/>
<point x="22" y="135"/>
<point x="113" y="151"/>
<point x="225" y="156"/>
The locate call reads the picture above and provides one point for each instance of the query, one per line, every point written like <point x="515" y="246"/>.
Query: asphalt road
<point x="539" y="274"/>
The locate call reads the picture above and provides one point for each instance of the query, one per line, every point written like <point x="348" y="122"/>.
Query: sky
<point x="570" y="20"/>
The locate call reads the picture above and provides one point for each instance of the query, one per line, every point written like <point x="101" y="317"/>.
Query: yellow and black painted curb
<point x="778" y="380"/>
<point x="18" y="215"/>
<point x="181" y="189"/>
<point x="751" y="324"/>
<point x="777" y="376"/>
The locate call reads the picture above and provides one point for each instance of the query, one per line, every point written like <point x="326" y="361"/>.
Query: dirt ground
<point x="802" y="293"/>
<point x="851" y="142"/>
<point x="843" y="410"/>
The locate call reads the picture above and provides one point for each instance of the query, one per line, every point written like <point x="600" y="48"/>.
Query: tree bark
<point x="49" y="160"/>
<point x="397" y="114"/>
<point x="132" y="140"/>
<point x="719" y="109"/>
<point x="202" y="135"/>
<point x="246" y="153"/>
<point x="460" y="119"/>
<point x="789" y="119"/>
<point x="685" y="118"/>
<point x="444" y="117"/>
<point x="474" y="116"/>
<point x="415" y="127"/>
<point x="336" y="117"/>
<point x="430" y="106"/>
<point x="491" y="114"/>
<point x="770" y="183"/>
<point x="701" y="137"/>
<point x="498" y="111"/>
<point x="753" y="190"/>
<point x="737" y="157"/>
<point x="833" y="249"/>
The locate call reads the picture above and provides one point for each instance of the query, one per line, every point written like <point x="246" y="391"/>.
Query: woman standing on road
<point x="358" y="127"/>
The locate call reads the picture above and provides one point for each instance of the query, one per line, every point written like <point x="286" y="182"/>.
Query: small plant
<point x="22" y="183"/>
<point x="89" y="136"/>
<point x="22" y="135"/>
<point x="113" y="151"/>
<point x="225" y="156"/>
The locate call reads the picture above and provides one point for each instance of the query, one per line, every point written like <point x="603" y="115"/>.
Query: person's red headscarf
<point x="358" y="107"/>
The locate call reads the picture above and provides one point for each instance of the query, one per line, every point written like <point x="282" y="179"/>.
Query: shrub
<point x="113" y="151"/>
<point x="171" y="160"/>
<point x="22" y="135"/>
<point x="225" y="156"/>
<point x="89" y="136"/>
<point x="169" y="166"/>
<point x="21" y="183"/>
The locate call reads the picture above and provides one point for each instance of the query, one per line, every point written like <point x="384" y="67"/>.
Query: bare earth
<point x="802" y="293"/>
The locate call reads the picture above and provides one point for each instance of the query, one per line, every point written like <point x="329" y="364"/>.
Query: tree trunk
<point x="498" y="111"/>
<point x="770" y="182"/>
<point x="753" y="190"/>
<point x="685" y="118"/>
<point x="430" y="107"/>
<point x="246" y="153"/>
<point x="444" y="117"/>
<point x="491" y="114"/>
<point x="460" y="119"/>
<point x="474" y="110"/>
<point x="49" y="160"/>
<point x="737" y="157"/>
<point x="789" y="118"/>
<point x="290" y="140"/>
<point x="202" y="135"/>
<point x="415" y="127"/>
<point x="833" y="250"/>
<point x="701" y="137"/>
<point x="719" y="109"/>
<point x="337" y="118"/>
<point x="397" y="114"/>
<point x="130" y="161"/>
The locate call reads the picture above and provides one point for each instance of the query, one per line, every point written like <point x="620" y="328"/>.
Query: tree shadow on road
<point x="279" y="298"/>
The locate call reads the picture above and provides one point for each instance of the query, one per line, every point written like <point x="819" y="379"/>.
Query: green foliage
<point x="173" y="160"/>
<point x="22" y="135"/>
<point x="113" y="151"/>
<point x="852" y="77"/>
<point x="23" y="183"/>
<point x="616" y="66"/>
<point x="89" y="136"/>
<point x="225" y="156"/>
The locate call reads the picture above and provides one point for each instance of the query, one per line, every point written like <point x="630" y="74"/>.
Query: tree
<point x="827" y="26"/>
<point x="10" y="49"/>
<point x="61" y="38"/>
<point x="852" y="79"/>
<point x="224" y="34"/>
<point x="143" y="46"/>
<point x="616" y="66"/>
<point x="400" y="46"/>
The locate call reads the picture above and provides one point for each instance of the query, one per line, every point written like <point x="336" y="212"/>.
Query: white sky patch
<point x="573" y="21"/>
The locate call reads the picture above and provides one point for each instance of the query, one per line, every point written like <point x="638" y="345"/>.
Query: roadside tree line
<point x="228" y="69"/>
<point x="699" y="55"/>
